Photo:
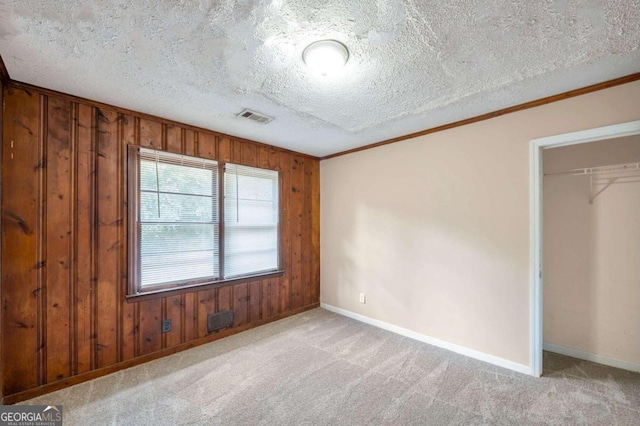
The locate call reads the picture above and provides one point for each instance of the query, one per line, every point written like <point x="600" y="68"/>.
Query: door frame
<point x="535" y="219"/>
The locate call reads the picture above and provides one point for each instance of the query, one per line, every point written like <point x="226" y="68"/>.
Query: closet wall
<point x="592" y="253"/>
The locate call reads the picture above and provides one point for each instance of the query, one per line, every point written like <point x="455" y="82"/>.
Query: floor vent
<point x="219" y="320"/>
<point x="255" y="116"/>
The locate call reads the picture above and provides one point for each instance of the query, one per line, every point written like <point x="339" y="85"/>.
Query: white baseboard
<point x="491" y="359"/>
<point x="587" y="356"/>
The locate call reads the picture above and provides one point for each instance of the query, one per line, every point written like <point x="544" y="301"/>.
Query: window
<point x="251" y="220"/>
<point x="178" y="234"/>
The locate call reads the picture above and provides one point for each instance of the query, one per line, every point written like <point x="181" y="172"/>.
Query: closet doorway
<point x="585" y="233"/>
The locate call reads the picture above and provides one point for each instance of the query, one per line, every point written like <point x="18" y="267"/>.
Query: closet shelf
<point x="601" y="178"/>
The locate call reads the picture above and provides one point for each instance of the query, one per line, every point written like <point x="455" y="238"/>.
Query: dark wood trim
<point x="221" y="243"/>
<point x="521" y="107"/>
<point x="165" y="121"/>
<point x="281" y="215"/>
<point x="4" y="74"/>
<point x="50" y="387"/>
<point x="173" y="291"/>
<point x="131" y="171"/>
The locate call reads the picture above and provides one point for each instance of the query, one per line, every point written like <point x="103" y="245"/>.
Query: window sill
<point x="192" y="288"/>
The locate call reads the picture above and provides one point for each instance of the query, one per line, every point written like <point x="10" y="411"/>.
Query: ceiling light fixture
<point x="325" y="56"/>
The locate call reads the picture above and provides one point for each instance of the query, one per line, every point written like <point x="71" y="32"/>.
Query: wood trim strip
<point x="221" y="228"/>
<point x="164" y="121"/>
<point x="515" y="108"/>
<point x="174" y="291"/>
<point x="4" y="74"/>
<point x="41" y="390"/>
<point x="132" y="219"/>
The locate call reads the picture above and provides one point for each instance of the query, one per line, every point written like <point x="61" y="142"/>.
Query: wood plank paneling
<point x="307" y="260"/>
<point x="150" y="326"/>
<point x="207" y="146"/>
<point x="190" y="142"/>
<point x="190" y="317"/>
<point x="240" y="303"/>
<point x="108" y="238"/>
<point x="276" y="287"/>
<point x="173" y="135"/>
<point x="3" y="77"/>
<point x="297" y="211"/>
<point x="85" y="237"/>
<point x="236" y="151"/>
<point x="173" y="311"/>
<point x="59" y="196"/>
<point x="129" y="329"/>
<point x="284" y="292"/>
<point x="253" y="309"/>
<point x="265" y="298"/>
<point x="315" y="231"/>
<point x="224" y="149"/>
<point x="21" y="166"/>
<point x="249" y="155"/>
<point x="263" y="157"/>
<point x="150" y="134"/>
<point x="64" y="242"/>
<point x="206" y="305"/>
<point x="274" y="297"/>
<point x="225" y="302"/>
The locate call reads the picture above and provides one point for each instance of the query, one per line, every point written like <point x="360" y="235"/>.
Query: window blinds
<point x="250" y="220"/>
<point x="178" y="218"/>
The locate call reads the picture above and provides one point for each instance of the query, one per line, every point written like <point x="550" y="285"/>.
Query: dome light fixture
<point x="325" y="56"/>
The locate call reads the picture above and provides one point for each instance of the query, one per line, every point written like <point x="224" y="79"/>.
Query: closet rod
<point x="616" y="169"/>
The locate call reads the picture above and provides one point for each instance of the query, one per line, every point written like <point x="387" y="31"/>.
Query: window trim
<point x="134" y="290"/>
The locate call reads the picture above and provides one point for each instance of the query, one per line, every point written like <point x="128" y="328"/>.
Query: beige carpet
<point x="319" y="368"/>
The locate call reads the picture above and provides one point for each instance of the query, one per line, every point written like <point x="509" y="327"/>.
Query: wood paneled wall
<point x="64" y="241"/>
<point x="2" y="83"/>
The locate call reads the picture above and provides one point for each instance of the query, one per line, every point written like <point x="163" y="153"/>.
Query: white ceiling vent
<point x="255" y="116"/>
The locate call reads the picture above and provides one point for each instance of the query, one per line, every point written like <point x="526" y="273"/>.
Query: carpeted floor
<point x="325" y="369"/>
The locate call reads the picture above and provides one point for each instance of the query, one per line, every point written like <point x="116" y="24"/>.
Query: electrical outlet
<point x="166" y="326"/>
<point x="362" y="298"/>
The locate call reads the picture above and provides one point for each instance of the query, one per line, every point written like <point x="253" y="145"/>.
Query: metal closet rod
<point x="604" y="176"/>
<point x="615" y="169"/>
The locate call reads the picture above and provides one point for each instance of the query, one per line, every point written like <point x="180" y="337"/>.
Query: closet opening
<point x="585" y="254"/>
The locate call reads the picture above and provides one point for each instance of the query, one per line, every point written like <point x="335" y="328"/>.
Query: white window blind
<point x="250" y="220"/>
<point x="178" y="222"/>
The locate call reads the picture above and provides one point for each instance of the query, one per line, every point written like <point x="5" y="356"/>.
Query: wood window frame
<point x="134" y="289"/>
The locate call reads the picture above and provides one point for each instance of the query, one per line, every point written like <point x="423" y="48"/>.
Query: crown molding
<point x="527" y="105"/>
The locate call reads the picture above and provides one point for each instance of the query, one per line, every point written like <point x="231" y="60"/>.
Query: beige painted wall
<point x="592" y="253"/>
<point x="435" y="229"/>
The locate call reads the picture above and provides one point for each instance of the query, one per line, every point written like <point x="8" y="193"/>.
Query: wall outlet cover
<point x="166" y="326"/>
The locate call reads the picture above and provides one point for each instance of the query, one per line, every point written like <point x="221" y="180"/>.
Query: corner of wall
<point x="4" y="74"/>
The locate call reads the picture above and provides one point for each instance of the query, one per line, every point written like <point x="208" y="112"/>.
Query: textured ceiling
<point x="414" y="64"/>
